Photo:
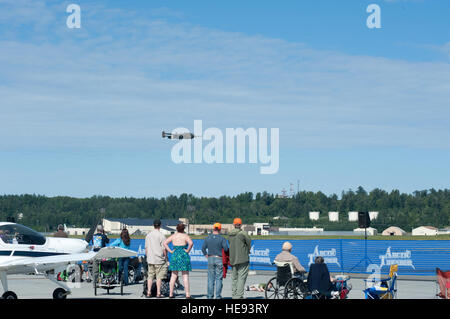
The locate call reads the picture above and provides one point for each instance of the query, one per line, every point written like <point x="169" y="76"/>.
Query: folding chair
<point x="443" y="282"/>
<point x="384" y="288"/>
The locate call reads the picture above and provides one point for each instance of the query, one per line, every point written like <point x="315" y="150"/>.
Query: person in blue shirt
<point x="123" y="242"/>
<point x="213" y="248"/>
<point x="99" y="240"/>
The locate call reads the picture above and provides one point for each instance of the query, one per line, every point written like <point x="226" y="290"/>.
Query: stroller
<point x="343" y="286"/>
<point x="108" y="276"/>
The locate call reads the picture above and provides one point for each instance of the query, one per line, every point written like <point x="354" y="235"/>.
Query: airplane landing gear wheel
<point x="9" y="295"/>
<point x="59" y="293"/>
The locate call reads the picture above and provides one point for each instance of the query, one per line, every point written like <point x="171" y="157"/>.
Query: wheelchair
<point x="286" y="284"/>
<point x="108" y="276"/>
<point x="135" y="270"/>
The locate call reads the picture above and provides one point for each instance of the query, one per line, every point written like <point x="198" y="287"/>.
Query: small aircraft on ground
<point x="179" y="136"/>
<point x="25" y="251"/>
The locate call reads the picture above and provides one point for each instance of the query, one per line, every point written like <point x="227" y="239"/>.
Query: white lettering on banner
<point x="141" y="251"/>
<point x="329" y="256"/>
<point x="197" y="255"/>
<point x="396" y="258"/>
<point x="260" y="255"/>
<point x="257" y="252"/>
<point x="256" y="255"/>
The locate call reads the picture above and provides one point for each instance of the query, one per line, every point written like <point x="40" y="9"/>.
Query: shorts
<point x="158" y="271"/>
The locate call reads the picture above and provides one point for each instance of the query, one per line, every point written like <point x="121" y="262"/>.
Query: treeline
<point x="427" y="207"/>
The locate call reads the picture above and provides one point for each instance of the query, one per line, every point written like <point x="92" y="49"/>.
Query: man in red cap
<point x="240" y="245"/>
<point x="212" y="248"/>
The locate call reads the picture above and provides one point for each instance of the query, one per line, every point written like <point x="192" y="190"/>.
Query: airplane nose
<point x="77" y="245"/>
<point x="83" y="245"/>
<point x="69" y="245"/>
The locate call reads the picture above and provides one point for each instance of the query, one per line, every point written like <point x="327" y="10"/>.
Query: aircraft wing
<point x="106" y="252"/>
<point x="114" y="252"/>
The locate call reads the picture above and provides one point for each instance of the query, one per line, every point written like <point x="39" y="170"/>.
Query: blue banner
<point x="414" y="257"/>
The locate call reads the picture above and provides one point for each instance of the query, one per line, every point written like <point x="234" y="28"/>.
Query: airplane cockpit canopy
<point x="19" y="234"/>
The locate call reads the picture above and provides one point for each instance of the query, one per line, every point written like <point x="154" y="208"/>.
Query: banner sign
<point x="414" y="257"/>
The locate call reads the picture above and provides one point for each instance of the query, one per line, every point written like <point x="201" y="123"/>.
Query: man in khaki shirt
<point x="286" y="256"/>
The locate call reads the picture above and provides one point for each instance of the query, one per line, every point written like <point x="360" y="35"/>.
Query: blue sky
<point x="82" y="110"/>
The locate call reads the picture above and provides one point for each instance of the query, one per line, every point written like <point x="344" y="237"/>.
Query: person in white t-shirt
<point x="156" y="258"/>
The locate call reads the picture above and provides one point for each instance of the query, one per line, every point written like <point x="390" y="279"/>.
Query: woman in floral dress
<point x="180" y="260"/>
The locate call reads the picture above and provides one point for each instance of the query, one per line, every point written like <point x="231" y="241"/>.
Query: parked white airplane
<point x="25" y="251"/>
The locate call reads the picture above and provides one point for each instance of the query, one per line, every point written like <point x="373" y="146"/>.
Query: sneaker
<point x="335" y="294"/>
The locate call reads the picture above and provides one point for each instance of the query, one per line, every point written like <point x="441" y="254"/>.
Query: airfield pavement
<point x="38" y="287"/>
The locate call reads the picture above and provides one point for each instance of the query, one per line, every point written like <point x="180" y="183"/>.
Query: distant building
<point x="393" y="231"/>
<point x="444" y="231"/>
<point x="314" y="215"/>
<point x="138" y="226"/>
<point x="352" y="216"/>
<point x="425" y="231"/>
<point x="250" y="229"/>
<point x="370" y="231"/>
<point x="291" y="231"/>
<point x="201" y="229"/>
<point x="255" y="229"/>
<point x="76" y="231"/>
<point x="260" y="229"/>
<point x="333" y="216"/>
<point x="373" y="215"/>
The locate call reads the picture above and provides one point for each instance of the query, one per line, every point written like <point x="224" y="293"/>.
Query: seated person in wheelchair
<point x="320" y="280"/>
<point x="287" y="256"/>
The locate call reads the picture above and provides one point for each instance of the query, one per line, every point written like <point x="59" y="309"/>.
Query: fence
<point x="414" y="257"/>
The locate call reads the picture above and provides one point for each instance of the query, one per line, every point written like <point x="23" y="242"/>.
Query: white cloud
<point x="122" y="78"/>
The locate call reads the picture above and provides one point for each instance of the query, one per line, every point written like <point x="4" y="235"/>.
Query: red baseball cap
<point x="237" y="221"/>
<point x="218" y="226"/>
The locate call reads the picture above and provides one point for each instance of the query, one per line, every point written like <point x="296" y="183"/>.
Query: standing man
<point x="60" y="233"/>
<point x="99" y="240"/>
<point x="156" y="258"/>
<point x="212" y="249"/>
<point x="240" y="244"/>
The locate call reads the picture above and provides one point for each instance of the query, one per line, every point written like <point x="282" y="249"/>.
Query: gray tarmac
<point x="38" y="287"/>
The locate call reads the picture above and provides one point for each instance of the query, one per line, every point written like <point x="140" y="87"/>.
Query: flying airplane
<point x="25" y="251"/>
<point x="173" y="136"/>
